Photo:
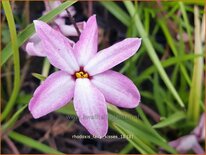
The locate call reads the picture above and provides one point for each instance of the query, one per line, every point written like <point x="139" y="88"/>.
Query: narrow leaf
<point x="39" y="76"/>
<point x="14" y="49"/>
<point x="14" y="118"/>
<point x="32" y="143"/>
<point x="130" y="7"/>
<point x="117" y="12"/>
<point x="170" y="120"/>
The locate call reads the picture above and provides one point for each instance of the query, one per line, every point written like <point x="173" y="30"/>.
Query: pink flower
<point x="191" y="142"/>
<point x="186" y="143"/>
<point x="34" y="46"/>
<point x="50" y="5"/>
<point x="199" y="131"/>
<point x="67" y="30"/>
<point x="85" y="76"/>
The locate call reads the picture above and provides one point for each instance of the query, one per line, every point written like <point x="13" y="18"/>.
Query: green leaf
<point x="39" y="76"/>
<point x="152" y="52"/>
<point x="158" y="95"/>
<point x="136" y="127"/>
<point x="131" y="124"/>
<point x="68" y="109"/>
<point x="166" y="63"/>
<point x="14" y="49"/>
<point x="135" y="141"/>
<point x="117" y="12"/>
<point x="29" y="30"/>
<point x="150" y="49"/>
<point x="126" y="149"/>
<point x="170" y="120"/>
<point x="32" y="143"/>
<point x="185" y="17"/>
<point x="171" y="43"/>
<point x="14" y="118"/>
<point x="23" y="98"/>
<point x="146" y="121"/>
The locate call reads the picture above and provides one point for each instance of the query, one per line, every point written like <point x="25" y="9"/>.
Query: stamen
<point x="81" y="74"/>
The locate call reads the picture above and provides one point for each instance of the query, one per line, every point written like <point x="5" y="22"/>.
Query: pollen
<point x="81" y="74"/>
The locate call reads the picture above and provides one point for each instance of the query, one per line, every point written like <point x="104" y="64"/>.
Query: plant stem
<point x="11" y="145"/>
<point x="150" y="112"/>
<point x="13" y="35"/>
<point x="73" y="22"/>
<point x="45" y="69"/>
<point x="196" y="88"/>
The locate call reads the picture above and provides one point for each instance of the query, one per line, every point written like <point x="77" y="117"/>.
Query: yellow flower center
<point x="81" y="74"/>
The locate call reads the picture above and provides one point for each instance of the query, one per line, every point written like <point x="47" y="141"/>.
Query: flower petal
<point x="199" y="131"/>
<point x="57" y="47"/>
<point x="56" y="91"/>
<point x="35" y="49"/>
<point x="50" y="5"/>
<point x="113" y="55"/>
<point x="86" y="47"/>
<point x="90" y="106"/>
<point x="69" y="30"/>
<point x="117" y="89"/>
<point x="59" y="21"/>
<point x="198" y="149"/>
<point x="184" y="144"/>
<point x="33" y="46"/>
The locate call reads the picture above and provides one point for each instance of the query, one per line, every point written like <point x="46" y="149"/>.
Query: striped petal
<point x="117" y="89"/>
<point x="57" y="47"/>
<point x="112" y="56"/>
<point x="56" y="91"/>
<point x="90" y="106"/>
<point x="86" y="47"/>
<point x="69" y="30"/>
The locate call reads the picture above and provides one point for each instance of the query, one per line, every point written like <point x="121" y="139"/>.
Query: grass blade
<point x="136" y="127"/>
<point x="132" y="125"/>
<point x="166" y="63"/>
<point x="14" y="118"/>
<point x="135" y="141"/>
<point x="185" y="17"/>
<point x="15" y="50"/>
<point x="151" y="52"/>
<point x="117" y="12"/>
<point x="170" y="120"/>
<point x="32" y="143"/>
<point x="126" y="149"/>
<point x="171" y="43"/>
<point x="39" y="76"/>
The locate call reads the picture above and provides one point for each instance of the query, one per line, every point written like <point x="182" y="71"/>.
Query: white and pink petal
<point x="34" y="49"/>
<point x="52" y="4"/>
<point x="69" y="30"/>
<point x="57" y="47"/>
<point x="56" y="91"/>
<point x="117" y="89"/>
<point x="86" y="47"/>
<point x="90" y="107"/>
<point x="33" y="46"/>
<point x="112" y="56"/>
<point x="187" y="143"/>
